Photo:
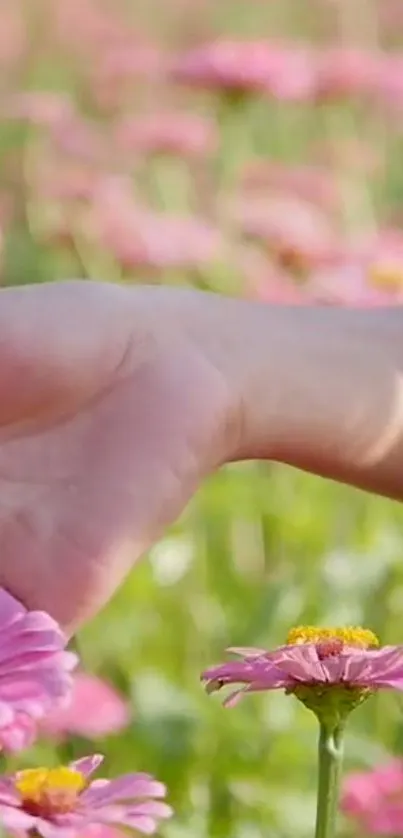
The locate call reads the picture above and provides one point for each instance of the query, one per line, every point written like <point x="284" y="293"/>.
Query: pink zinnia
<point x="182" y="134"/>
<point x="314" y="658"/>
<point x="94" y="709"/>
<point x="344" y="71"/>
<point x="281" y="71"/>
<point x="296" y="231"/>
<point x="63" y="802"/>
<point x="34" y="671"/>
<point x="140" y="238"/>
<point x="374" y="799"/>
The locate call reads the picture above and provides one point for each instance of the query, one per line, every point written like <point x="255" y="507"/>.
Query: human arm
<point x="318" y="388"/>
<point x="117" y="402"/>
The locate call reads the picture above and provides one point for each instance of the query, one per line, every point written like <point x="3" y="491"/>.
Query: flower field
<point x="252" y="148"/>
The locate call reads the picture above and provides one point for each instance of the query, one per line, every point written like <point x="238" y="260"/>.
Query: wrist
<point x="317" y="388"/>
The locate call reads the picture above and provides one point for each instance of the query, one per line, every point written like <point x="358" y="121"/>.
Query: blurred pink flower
<point x="94" y="709"/>
<point x="40" y="107"/>
<point x="35" y="671"/>
<point x="278" y="288"/>
<point x="284" y="72"/>
<point x="347" y="71"/>
<point x="296" y="231"/>
<point x="390" y="80"/>
<point x="374" y="799"/>
<point x="312" y="183"/>
<point x="64" y="801"/>
<point x="88" y="27"/>
<point x="368" y="271"/>
<point x="131" y="61"/>
<point x="346" y="283"/>
<point x="267" y="282"/>
<point x="99" y="830"/>
<point x="64" y="180"/>
<point x="13" y="34"/>
<point x="118" y="69"/>
<point x="141" y="238"/>
<point x="183" y="134"/>
<point x="312" y="657"/>
<point x="390" y="17"/>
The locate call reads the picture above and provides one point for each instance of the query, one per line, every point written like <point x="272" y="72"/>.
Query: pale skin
<point x="116" y="403"/>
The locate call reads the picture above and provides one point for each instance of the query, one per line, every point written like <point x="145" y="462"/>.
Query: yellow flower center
<point x="47" y="791"/>
<point x="349" y="636"/>
<point x="387" y="274"/>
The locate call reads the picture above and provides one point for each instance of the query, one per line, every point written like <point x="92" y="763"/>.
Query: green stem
<point x="330" y="760"/>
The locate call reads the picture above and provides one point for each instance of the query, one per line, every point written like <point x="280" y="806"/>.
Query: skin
<point x="115" y="403"/>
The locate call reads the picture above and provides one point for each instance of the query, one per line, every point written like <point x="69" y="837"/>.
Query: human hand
<point x="116" y="402"/>
<point x="110" y="415"/>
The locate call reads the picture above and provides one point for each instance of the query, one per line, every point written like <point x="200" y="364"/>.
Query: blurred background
<point x="253" y="148"/>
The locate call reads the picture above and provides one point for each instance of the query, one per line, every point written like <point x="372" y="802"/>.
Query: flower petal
<point x="141" y="823"/>
<point x="127" y="787"/>
<point x="247" y="651"/>
<point x="52" y="829"/>
<point x="87" y="765"/>
<point x="301" y="663"/>
<point x="154" y="808"/>
<point x="18" y="735"/>
<point x="15" y="819"/>
<point x="10" y="610"/>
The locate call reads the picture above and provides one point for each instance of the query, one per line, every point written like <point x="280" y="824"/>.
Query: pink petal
<point x="6" y="714"/>
<point x="336" y="668"/>
<point x="277" y="681"/>
<point x="241" y="672"/>
<point x="234" y="698"/>
<point x="300" y="662"/>
<point x="27" y="650"/>
<point x="15" y="819"/>
<point x="375" y="667"/>
<point x="99" y="830"/>
<point x="41" y="621"/>
<point x="50" y="829"/>
<point x="8" y="795"/>
<point x="247" y="651"/>
<point x="10" y="609"/>
<point x="122" y="788"/>
<point x="87" y="765"/>
<point x="18" y="735"/>
<point x="89" y="693"/>
<point x="154" y="808"/>
<point x="141" y="823"/>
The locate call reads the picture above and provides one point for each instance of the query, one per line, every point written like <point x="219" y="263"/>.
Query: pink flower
<point x="390" y="80"/>
<point x="313" y="657"/>
<point x="13" y="35"/>
<point x="95" y="709"/>
<point x="374" y="799"/>
<point x="285" y="72"/>
<point x="141" y="238"/>
<point x="314" y="184"/>
<point x="267" y="282"/>
<point x="64" y="803"/>
<point x="296" y="231"/>
<point x="40" y="107"/>
<point x="99" y="830"/>
<point x="34" y="671"/>
<point x="118" y="68"/>
<point x="346" y="71"/>
<point x="347" y="283"/>
<point x="367" y="272"/>
<point x="182" y="134"/>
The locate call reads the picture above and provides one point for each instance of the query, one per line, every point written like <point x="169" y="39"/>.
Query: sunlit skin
<point x="115" y="404"/>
